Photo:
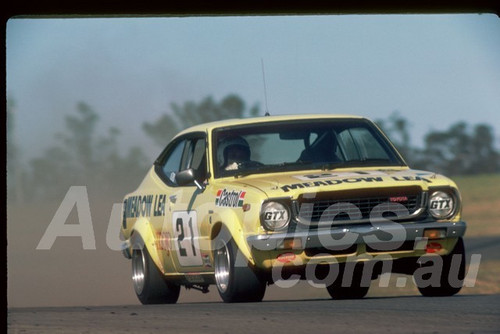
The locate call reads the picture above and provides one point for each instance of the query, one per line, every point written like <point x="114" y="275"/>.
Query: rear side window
<point x="194" y="157"/>
<point x="186" y="152"/>
<point x="173" y="161"/>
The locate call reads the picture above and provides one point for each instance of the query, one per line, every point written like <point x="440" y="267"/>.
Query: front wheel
<point x="450" y="276"/>
<point x="149" y="284"/>
<point x="236" y="281"/>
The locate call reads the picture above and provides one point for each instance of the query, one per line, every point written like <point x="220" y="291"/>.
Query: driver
<point x="233" y="151"/>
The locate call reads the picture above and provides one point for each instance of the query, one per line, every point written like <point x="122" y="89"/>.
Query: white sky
<point x="433" y="69"/>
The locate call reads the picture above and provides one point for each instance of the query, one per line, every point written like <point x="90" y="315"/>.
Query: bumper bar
<point x="382" y="236"/>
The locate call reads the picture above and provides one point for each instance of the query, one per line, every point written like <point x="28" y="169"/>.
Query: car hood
<point x="291" y="184"/>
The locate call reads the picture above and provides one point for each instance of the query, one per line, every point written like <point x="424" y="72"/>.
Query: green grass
<point x="481" y="203"/>
<point x="479" y="187"/>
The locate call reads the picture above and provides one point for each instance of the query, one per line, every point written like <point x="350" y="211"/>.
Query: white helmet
<point x="224" y="145"/>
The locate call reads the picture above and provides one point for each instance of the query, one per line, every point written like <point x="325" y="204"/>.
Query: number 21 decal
<point x="186" y="238"/>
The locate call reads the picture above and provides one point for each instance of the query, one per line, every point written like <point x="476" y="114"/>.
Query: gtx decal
<point x="229" y="198"/>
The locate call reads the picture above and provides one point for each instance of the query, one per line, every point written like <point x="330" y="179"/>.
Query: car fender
<point x="144" y="230"/>
<point x="229" y="220"/>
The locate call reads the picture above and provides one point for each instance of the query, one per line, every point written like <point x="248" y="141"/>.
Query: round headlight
<point x="274" y="216"/>
<point x="441" y="205"/>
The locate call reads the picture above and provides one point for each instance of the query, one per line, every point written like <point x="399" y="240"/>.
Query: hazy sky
<point x="433" y="69"/>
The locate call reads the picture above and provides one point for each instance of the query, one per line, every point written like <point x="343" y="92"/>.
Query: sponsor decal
<point x="440" y="204"/>
<point x="286" y="257"/>
<point x="145" y="206"/>
<point x="163" y="242"/>
<point x="275" y="215"/>
<point x="410" y="178"/>
<point x="398" y="199"/>
<point x="327" y="175"/>
<point x="229" y="198"/>
<point x="288" y="187"/>
<point x="327" y="182"/>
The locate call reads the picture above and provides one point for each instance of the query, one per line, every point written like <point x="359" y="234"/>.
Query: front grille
<point x="343" y="208"/>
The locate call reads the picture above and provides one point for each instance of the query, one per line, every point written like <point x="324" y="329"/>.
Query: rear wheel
<point x="149" y="284"/>
<point x="451" y="275"/>
<point x="236" y="281"/>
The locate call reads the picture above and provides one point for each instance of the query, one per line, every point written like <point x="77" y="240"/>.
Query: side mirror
<point x="187" y="177"/>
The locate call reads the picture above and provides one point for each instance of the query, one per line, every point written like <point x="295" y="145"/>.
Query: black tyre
<point x="236" y="281"/>
<point x="351" y="290"/>
<point x="149" y="283"/>
<point x="451" y="276"/>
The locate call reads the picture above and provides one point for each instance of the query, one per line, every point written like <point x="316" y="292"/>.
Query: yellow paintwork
<point x="157" y="231"/>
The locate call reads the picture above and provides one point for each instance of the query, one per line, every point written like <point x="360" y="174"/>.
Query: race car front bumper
<point x="381" y="236"/>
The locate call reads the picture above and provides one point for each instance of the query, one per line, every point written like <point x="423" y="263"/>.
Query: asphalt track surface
<point x="409" y="314"/>
<point x="458" y="314"/>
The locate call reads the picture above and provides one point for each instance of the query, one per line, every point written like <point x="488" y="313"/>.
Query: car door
<point x="189" y="210"/>
<point x="166" y="191"/>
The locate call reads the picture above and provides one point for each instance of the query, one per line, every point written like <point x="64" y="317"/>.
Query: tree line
<point x="461" y="149"/>
<point x="82" y="157"/>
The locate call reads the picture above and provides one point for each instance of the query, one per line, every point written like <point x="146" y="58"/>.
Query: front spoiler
<point x="377" y="235"/>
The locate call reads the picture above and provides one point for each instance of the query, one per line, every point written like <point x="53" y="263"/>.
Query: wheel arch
<point x="229" y="221"/>
<point x="143" y="235"/>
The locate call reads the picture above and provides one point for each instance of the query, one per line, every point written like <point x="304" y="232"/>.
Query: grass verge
<point x="481" y="204"/>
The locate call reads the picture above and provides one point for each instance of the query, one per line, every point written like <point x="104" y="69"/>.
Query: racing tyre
<point x="236" y="281"/>
<point x="356" y="289"/>
<point x="451" y="276"/>
<point x="149" y="284"/>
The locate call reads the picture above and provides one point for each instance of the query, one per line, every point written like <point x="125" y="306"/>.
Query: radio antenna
<point x="265" y="88"/>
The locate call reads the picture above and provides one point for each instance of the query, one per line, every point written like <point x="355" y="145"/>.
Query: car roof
<point x="206" y="127"/>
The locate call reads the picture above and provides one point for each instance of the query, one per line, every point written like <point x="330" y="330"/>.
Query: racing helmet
<point x="228" y="143"/>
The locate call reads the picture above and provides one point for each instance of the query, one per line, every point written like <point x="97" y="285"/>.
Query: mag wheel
<point x="236" y="282"/>
<point x="451" y="277"/>
<point x="149" y="283"/>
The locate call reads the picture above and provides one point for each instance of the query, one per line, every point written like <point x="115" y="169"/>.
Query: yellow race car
<point x="245" y="203"/>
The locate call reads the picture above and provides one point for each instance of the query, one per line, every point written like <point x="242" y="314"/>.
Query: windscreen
<point x="293" y="145"/>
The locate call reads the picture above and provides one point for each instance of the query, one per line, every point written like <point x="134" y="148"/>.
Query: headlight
<point x="442" y="205"/>
<point x="274" y="216"/>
